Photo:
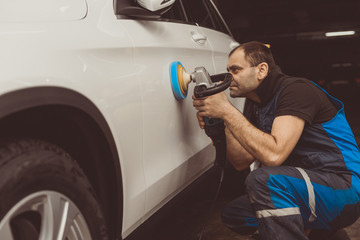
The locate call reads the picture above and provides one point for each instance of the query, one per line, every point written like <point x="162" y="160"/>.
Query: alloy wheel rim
<point x="45" y="215"/>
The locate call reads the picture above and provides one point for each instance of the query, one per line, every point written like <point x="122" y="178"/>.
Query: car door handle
<point x="198" y="37"/>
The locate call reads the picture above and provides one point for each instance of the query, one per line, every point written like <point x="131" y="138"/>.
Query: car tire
<point x="45" y="195"/>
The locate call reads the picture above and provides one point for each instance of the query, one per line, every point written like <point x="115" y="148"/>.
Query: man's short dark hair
<point x="256" y="53"/>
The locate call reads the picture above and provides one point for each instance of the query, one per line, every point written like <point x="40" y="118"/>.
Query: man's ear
<point x="263" y="70"/>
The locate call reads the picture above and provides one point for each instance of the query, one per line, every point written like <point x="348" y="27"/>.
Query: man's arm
<point x="270" y="149"/>
<point x="236" y="154"/>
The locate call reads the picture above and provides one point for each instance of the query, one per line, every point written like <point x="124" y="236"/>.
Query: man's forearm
<point x="236" y="154"/>
<point x="256" y="143"/>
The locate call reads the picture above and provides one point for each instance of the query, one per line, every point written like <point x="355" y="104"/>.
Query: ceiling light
<point x="342" y="33"/>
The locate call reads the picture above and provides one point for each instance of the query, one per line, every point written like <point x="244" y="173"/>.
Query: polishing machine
<point x="206" y="85"/>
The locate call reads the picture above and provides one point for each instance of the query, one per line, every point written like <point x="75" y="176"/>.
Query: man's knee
<point x="238" y="216"/>
<point x="256" y="184"/>
<point x="227" y="214"/>
<point x="238" y="224"/>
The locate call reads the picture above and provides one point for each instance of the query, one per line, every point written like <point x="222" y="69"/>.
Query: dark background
<point x="296" y="32"/>
<point x="296" y="29"/>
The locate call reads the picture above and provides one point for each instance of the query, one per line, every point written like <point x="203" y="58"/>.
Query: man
<point x="310" y="162"/>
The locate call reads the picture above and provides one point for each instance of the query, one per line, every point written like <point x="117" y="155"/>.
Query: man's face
<point x="245" y="77"/>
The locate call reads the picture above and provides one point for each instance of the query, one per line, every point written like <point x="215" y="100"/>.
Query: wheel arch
<point x="80" y="129"/>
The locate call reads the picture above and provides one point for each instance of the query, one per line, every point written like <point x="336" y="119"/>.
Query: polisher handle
<point x="202" y="91"/>
<point x="216" y="132"/>
<point x="212" y="121"/>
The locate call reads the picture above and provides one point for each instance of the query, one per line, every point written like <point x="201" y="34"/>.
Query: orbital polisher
<point x="206" y="85"/>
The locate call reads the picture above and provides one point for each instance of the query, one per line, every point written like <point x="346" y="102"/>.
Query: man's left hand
<point x="214" y="106"/>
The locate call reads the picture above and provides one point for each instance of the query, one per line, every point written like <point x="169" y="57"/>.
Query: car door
<point x="175" y="150"/>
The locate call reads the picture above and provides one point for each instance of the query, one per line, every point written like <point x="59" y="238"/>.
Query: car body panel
<point x="172" y="123"/>
<point x="42" y="10"/>
<point x="41" y="56"/>
<point x="122" y="67"/>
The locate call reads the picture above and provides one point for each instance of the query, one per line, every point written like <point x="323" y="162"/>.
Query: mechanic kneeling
<point x="309" y="175"/>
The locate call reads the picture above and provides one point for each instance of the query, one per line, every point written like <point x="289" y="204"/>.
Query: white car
<point x="93" y="141"/>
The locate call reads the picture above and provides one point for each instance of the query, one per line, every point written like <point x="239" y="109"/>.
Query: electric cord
<point x="215" y="129"/>
<point x="213" y="203"/>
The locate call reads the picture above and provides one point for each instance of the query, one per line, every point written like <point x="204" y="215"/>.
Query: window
<point x="201" y="12"/>
<point x="218" y="21"/>
<point x="204" y="13"/>
<point x="197" y="12"/>
<point x="176" y="12"/>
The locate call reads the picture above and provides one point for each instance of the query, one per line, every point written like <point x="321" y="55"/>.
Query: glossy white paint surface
<point x="171" y="135"/>
<point x="42" y="10"/>
<point x="122" y="66"/>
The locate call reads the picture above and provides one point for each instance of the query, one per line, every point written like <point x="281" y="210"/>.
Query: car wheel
<point x="45" y="195"/>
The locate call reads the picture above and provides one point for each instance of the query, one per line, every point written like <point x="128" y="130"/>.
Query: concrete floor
<point x="187" y="220"/>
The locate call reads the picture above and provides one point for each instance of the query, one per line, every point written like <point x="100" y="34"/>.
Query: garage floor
<point x="186" y="221"/>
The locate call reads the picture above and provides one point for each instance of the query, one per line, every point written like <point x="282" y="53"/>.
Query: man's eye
<point x="234" y="70"/>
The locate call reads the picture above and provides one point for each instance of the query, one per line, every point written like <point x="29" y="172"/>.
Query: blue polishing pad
<point x="175" y="80"/>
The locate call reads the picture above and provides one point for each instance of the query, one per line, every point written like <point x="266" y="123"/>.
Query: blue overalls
<point x="317" y="187"/>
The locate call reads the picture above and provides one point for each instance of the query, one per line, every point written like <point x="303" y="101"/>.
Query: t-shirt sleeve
<point x="298" y="99"/>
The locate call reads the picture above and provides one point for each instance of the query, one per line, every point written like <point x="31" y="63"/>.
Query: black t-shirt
<point x="304" y="99"/>
<point x="298" y="97"/>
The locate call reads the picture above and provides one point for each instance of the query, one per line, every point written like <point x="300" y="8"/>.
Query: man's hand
<point x="214" y="106"/>
<point x="200" y="120"/>
<point x="217" y="106"/>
